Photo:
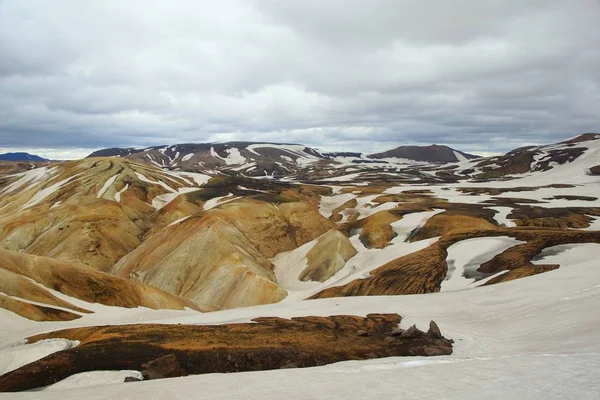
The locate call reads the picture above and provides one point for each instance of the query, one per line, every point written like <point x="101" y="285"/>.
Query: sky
<point x="482" y="76"/>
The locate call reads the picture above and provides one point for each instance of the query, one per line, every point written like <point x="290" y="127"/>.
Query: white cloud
<point x="477" y="75"/>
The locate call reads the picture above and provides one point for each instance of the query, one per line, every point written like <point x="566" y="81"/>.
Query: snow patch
<point x="459" y="156"/>
<point x="93" y="378"/>
<point x="120" y="192"/>
<point x="466" y="256"/>
<point x="107" y="184"/>
<point x="42" y="194"/>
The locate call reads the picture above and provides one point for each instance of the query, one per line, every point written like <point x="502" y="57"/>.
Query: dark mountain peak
<point x="434" y="153"/>
<point x="21" y="156"/>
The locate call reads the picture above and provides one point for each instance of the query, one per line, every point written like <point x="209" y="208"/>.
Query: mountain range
<point x="275" y="159"/>
<point x="196" y="233"/>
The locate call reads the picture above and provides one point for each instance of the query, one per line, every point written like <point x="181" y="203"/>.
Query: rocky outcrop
<point x="327" y="257"/>
<point x="558" y="217"/>
<point x="456" y="217"/>
<point x="164" y="367"/>
<point x="376" y="230"/>
<point x="268" y="343"/>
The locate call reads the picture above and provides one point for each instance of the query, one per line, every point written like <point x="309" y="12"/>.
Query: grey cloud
<point x="479" y="75"/>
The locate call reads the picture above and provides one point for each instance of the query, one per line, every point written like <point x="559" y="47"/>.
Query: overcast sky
<point x="481" y="76"/>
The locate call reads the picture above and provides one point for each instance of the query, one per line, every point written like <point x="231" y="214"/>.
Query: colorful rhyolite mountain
<point x="130" y="235"/>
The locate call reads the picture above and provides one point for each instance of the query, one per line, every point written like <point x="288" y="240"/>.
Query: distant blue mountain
<point x="21" y="157"/>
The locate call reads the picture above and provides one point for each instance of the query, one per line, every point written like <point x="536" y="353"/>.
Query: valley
<point x="280" y="262"/>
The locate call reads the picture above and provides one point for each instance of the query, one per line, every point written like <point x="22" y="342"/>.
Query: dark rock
<point x="132" y="379"/>
<point x="437" y="350"/>
<point x="412" y="332"/>
<point x="268" y="343"/>
<point x="163" y="367"/>
<point x="434" y="331"/>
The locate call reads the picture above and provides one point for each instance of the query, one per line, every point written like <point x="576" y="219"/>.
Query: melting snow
<point x="212" y="203"/>
<point x="93" y="378"/>
<point x="107" y="184"/>
<point x="459" y="156"/>
<point x="42" y="194"/>
<point x="466" y="256"/>
<point x="120" y="192"/>
<point x="501" y="216"/>
<point x="30" y="177"/>
<point x="234" y="156"/>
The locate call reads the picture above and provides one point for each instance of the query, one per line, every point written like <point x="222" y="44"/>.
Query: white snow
<point x="143" y="178"/>
<point x="120" y="192"/>
<point x="187" y="157"/>
<point x="459" y="156"/>
<point x="234" y="156"/>
<point x="107" y="184"/>
<point x="534" y="338"/>
<point x="200" y="179"/>
<point x="21" y="353"/>
<point x="302" y="158"/>
<point x="212" y="203"/>
<point x="501" y="216"/>
<point x="30" y="178"/>
<point x="47" y="191"/>
<point x="93" y="378"/>
<point x="288" y="265"/>
<point x="162" y="200"/>
<point x="466" y="256"/>
<point x="569" y="254"/>
<point x="244" y="166"/>
<point x="330" y="203"/>
<point x="344" y="178"/>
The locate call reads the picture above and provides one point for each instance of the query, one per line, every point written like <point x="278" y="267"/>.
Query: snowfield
<point x="536" y="338"/>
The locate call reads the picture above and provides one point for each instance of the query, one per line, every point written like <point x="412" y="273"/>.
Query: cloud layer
<point x="338" y="74"/>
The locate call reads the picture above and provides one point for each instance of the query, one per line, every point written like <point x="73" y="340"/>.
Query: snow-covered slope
<point x="533" y="338"/>
<point x="576" y="155"/>
<point x="246" y="158"/>
<point x="280" y="159"/>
